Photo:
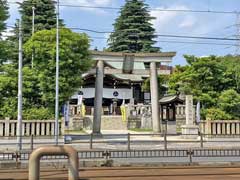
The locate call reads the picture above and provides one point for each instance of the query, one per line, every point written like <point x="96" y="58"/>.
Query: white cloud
<point x="188" y="22"/>
<point x="88" y="3"/>
<point x="163" y="18"/>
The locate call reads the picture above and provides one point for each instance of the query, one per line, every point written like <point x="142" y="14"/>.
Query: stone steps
<point x="113" y="123"/>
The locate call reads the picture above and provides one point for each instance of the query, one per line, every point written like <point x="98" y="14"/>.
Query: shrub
<point x="217" y="114"/>
<point x="37" y="114"/>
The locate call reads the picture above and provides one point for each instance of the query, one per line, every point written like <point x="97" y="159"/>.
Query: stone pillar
<point x="219" y="125"/>
<point x="154" y="97"/>
<point x="23" y="129"/>
<point x="38" y="129"/>
<point x="189" y="131"/>
<point x="98" y="98"/>
<point x="43" y="129"/>
<point x="233" y="128"/>
<point x="7" y="122"/>
<point x="237" y="128"/>
<point x="228" y="128"/>
<point x="33" y="128"/>
<point x="12" y="129"/>
<point x="189" y="110"/>
<point x="28" y="128"/>
<point x="48" y="129"/>
<point x="1" y="129"/>
<point x="224" y="128"/>
<point x="52" y="128"/>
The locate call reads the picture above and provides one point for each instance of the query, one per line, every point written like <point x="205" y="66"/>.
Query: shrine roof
<point x="170" y="99"/>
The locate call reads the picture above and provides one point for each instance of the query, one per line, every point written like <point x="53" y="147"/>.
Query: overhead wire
<point x="153" y="9"/>
<point x="159" y="35"/>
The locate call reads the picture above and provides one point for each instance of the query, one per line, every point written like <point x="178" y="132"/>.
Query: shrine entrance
<point x="168" y="112"/>
<point x="128" y="61"/>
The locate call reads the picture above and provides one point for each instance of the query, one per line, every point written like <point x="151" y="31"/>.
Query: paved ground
<point x="134" y="173"/>
<point x="118" y="140"/>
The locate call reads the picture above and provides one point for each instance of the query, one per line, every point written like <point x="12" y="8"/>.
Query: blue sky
<point x="176" y="23"/>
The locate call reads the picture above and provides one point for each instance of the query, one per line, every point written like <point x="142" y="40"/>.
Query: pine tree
<point x="3" y="15"/>
<point x="3" y="44"/>
<point x="133" y="31"/>
<point x="45" y="16"/>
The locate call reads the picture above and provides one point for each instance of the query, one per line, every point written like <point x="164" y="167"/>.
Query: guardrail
<point x="124" y="141"/>
<point x="129" y="140"/>
<point x="178" y="155"/>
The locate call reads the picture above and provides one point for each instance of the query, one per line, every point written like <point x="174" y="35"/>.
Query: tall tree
<point x="3" y="15"/>
<point x="39" y="81"/>
<point x="74" y="62"/>
<point x="45" y="16"/>
<point x="133" y="31"/>
<point x="3" y="43"/>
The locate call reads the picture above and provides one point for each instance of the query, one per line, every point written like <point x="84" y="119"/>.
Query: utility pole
<point x="33" y="29"/>
<point x="238" y="34"/>
<point x="19" y="122"/>
<point x="57" y="75"/>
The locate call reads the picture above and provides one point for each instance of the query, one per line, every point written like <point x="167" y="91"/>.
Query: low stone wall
<point x="30" y="127"/>
<point x="222" y="127"/>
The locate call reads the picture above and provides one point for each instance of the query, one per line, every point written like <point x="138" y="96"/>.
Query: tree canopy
<point x="212" y="80"/>
<point x="39" y="81"/>
<point x="3" y="15"/>
<point x="45" y="16"/>
<point x="133" y="31"/>
<point x="3" y="44"/>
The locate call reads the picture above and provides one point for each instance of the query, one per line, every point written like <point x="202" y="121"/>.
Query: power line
<point x="161" y="35"/>
<point x="199" y="37"/>
<point x="207" y="43"/>
<point x="153" y="9"/>
<point x="238" y="34"/>
<point x="178" y="42"/>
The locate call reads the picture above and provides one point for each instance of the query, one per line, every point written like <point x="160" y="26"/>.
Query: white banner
<point x="107" y="93"/>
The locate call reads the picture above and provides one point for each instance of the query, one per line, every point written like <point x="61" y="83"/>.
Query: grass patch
<point x="141" y="130"/>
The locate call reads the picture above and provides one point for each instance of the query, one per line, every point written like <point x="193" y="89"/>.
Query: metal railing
<point x="183" y="155"/>
<point x="125" y="141"/>
<point x="93" y="141"/>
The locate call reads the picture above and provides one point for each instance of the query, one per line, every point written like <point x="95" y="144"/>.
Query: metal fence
<point x="126" y="141"/>
<point x="188" y="155"/>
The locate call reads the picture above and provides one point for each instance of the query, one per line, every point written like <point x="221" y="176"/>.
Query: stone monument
<point x="190" y="130"/>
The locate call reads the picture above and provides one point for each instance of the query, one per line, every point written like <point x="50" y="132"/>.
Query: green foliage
<point x="217" y="114"/>
<point x="9" y="107"/>
<point x="3" y="44"/>
<point x="212" y="80"/>
<point x="74" y="60"/>
<point x="162" y="80"/>
<point x="133" y="31"/>
<point x="229" y="101"/>
<point x="3" y="15"/>
<point x="45" y="16"/>
<point x="39" y="81"/>
<point x="40" y="113"/>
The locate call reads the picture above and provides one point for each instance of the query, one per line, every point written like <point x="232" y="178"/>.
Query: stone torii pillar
<point x="154" y="97"/>
<point x="98" y="98"/>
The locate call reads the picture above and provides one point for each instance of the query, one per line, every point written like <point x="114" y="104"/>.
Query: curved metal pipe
<point x="34" y="161"/>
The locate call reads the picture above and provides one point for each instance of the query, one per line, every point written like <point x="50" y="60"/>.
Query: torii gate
<point x="127" y="59"/>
